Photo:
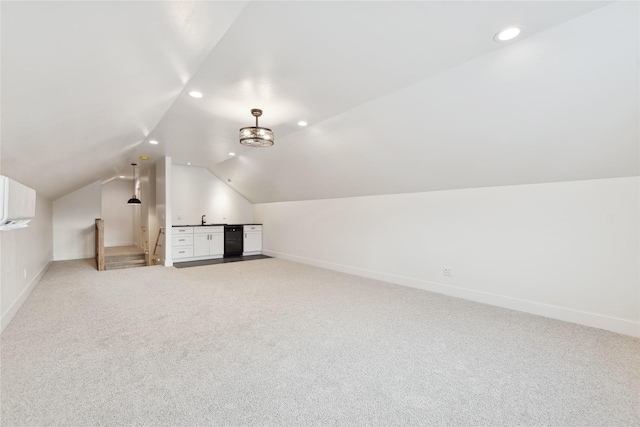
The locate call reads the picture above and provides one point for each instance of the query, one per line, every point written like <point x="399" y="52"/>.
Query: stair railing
<point x="154" y="257"/>
<point x="100" y="244"/>
<point x="143" y="235"/>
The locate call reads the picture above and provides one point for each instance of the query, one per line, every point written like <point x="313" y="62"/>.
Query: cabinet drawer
<point x="208" y="230"/>
<point x="182" y="252"/>
<point x="177" y="231"/>
<point x="252" y="228"/>
<point x="186" y="240"/>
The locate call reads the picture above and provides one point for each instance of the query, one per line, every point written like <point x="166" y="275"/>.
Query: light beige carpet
<point x="271" y="342"/>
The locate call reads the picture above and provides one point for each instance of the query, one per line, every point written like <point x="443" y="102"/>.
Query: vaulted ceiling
<point x="399" y="96"/>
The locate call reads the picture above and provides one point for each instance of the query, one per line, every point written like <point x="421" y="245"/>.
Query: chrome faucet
<point x="204" y="219"/>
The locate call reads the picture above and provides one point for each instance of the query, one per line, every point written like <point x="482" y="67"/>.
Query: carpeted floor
<point x="271" y="342"/>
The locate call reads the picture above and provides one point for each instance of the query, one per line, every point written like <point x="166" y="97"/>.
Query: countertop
<point x="209" y="225"/>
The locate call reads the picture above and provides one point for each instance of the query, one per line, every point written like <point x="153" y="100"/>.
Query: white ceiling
<point x="399" y="96"/>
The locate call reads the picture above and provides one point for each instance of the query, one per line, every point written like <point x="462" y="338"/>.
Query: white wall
<point x="197" y="192"/>
<point x="567" y="250"/>
<point x="25" y="255"/>
<point x="74" y="217"/>
<point x="148" y="209"/>
<point x="163" y="207"/>
<point x="117" y="214"/>
<point x="136" y="211"/>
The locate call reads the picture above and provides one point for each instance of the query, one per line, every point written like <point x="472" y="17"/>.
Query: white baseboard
<point x="11" y="312"/>
<point x="594" y="320"/>
<point x="70" y="257"/>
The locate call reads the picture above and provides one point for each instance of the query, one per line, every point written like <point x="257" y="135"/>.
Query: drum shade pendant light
<point x="255" y="136"/>
<point x="134" y="200"/>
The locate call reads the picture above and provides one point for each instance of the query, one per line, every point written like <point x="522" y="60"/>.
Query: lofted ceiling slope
<point x="84" y="83"/>
<point x="400" y="96"/>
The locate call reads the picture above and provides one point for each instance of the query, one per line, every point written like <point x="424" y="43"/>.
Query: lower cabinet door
<point x="182" y="252"/>
<point x="201" y="244"/>
<point x="184" y="240"/>
<point x="216" y="244"/>
<point x="252" y="242"/>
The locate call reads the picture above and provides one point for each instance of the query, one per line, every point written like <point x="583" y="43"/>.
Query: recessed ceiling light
<point x="188" y="164"/>
<point x="122" y="176"/>
<point x="154" y="142"/>
<point x="507" y="34"/>
<point x="232" y="154"/>
<point x="302" y="123"/>
<point x="195" y="94"/>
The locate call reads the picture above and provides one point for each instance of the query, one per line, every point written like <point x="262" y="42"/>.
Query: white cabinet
<point x="178" y="231"/>
<point x="177" y="253"/>
<point x="197" y="243"/>
<point x="201" y="245"/>
<point x="182" y="240"/>
<point x="181" y="243"/>
<point x="208" y="242"/>
<point x="252" y="244"/>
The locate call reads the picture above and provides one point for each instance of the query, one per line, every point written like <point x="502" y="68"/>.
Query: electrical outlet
<point x="179" y="216"/>
<point x="447" y="271"/>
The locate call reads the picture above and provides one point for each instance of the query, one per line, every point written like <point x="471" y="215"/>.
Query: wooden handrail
<point x="154" y="258"/>
<point x="143" y="235"/>
<point x="100" y="244"/>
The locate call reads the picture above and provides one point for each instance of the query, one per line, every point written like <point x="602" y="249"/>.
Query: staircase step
<point x="127" y="260"/>
<point x="124" y="257"/>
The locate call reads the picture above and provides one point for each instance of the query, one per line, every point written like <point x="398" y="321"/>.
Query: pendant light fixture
<point x="134" y="200"/>
<point x="255" y="136"/>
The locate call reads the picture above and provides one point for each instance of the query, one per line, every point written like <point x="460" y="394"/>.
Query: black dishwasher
<point x="233" y="237"/>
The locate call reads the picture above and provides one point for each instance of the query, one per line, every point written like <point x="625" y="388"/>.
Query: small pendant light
<point x="134" y="200"/>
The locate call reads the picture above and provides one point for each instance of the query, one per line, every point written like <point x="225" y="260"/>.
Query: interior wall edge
<point x="17" y="304"/>
<point x="593" y="320"/>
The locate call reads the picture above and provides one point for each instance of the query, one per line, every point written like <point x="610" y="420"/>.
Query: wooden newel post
<point x="100" y="244"/>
